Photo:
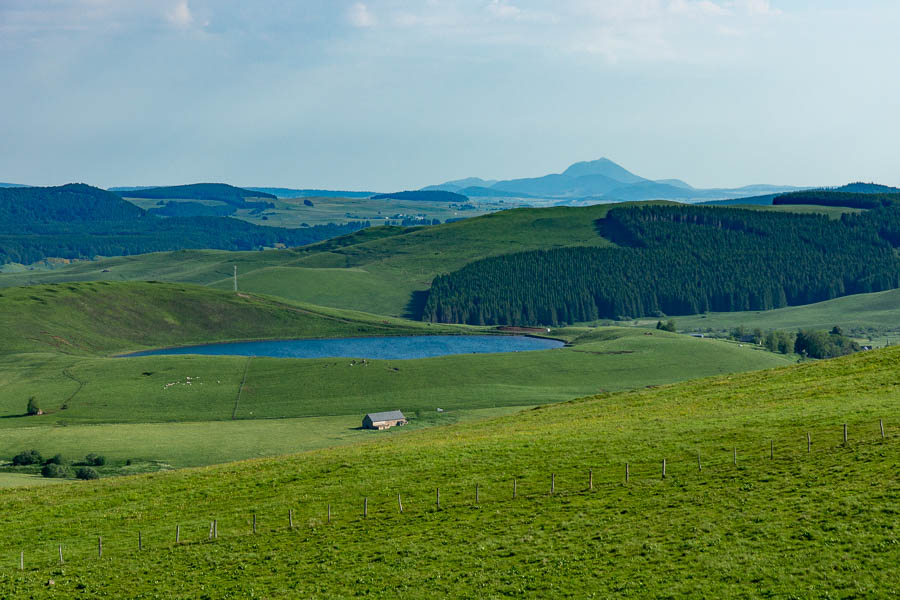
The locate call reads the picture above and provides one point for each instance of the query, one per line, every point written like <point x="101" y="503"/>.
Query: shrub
<point x="29" y="457"/>
<point x="33" y="408"/>
<point x="54" y="470"/>
<point x="55" y="460"/>
<point x="95" y="460"/>
<point x="87" y="473"/>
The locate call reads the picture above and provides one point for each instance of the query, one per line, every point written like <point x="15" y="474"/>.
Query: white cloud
<point x="503" y="10"/>
<point x="359" y="15"/>
<point x="180" y="15"/>
<point x="756" y="7"/>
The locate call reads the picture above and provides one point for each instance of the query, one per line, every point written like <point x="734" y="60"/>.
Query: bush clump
<point x="55" y="460"/>
<point x="28" y="457"/>
<point x="33" y="408"/>
<point x="54" y="470"/>
<point x="87" y="473"/>
<point x="95" y="460"/>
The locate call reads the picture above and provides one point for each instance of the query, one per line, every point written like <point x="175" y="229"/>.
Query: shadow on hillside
<point x="416" y="305"/>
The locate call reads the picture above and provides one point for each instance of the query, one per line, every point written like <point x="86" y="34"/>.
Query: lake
<point x="388" y="348"/>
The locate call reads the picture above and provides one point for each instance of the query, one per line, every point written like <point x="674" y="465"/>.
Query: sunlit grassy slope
<point x="822" y="524"/>
<point x="377" y="270"/>
<point x="102" y="317"/>
<point x="876" y="314"/>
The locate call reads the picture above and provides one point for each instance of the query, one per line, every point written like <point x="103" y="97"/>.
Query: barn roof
<point x="391" y="415"/>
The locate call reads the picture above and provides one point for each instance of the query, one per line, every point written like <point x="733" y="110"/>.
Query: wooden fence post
<point x="215" y="529"/>
<point x="365" y="507"/>
<point x="626" y="473"/>
<point x="808" y="443"/>
<point x="735" y="456"/>
<point x="329" y="513"/>
<point x="664" y="469"/>
<point x="291" y="518"/>
<point x="881" y="424"/>
<point x="254" y="522"/>
<point x="590" y="479"/>
<point x="437" y="497"/>
<point x="177" y="533"/>
<point x="771" y="449"/>
<point x="845" y="433"/>
<point x="210" y="531"/>
<point x="699" y="464"/>
<point x="100" y="546"/>
<point x="60" y="555"/>
<point x="400" y="503"/>
<point x="22" y="560"/>
<point x="552" y="482"/>
<point x="476" y="493"/>
<point x="140" y="541"/>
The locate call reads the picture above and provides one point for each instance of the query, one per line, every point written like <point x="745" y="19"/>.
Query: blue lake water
<point x="392" y="348"/>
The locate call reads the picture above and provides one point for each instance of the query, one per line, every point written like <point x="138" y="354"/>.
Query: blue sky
<point x="391" y="94"/>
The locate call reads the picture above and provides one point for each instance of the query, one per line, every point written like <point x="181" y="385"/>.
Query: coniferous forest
<point x="678" y="260"/>
<point x="77" y="221"/>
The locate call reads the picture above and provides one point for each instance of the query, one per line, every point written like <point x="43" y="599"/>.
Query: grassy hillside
<point x="821" y="524"/>
<point x="377" y="271"/>
<point x="102" y="317"/>
<point x="863" y="315"/>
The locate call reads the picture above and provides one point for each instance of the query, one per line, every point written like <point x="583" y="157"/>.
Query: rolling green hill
<point x="794" y="524"/>
<point x="77" y="221"/>
<point x="60" y="337"/>
<point x="101" y="317"/>
<point x="377" y="270"/>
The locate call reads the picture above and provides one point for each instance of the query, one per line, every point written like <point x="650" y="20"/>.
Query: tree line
<point x="78" y="221"/>
<point x="675" y="260"/>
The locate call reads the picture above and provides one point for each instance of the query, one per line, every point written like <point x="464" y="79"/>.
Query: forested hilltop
<point x="678" y="260"/>
<point x="78" y="221"/>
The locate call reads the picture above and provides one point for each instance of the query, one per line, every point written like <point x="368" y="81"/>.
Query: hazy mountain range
<point x="599" y="180"/>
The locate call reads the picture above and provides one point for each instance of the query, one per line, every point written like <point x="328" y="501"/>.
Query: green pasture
<point x="865" y="316"/>
<point x="789" y="524"/>
<point x="105" y="317"/>
<point x="160" y="393"/>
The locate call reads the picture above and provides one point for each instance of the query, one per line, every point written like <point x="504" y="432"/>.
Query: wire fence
<point x="122" y="536"/>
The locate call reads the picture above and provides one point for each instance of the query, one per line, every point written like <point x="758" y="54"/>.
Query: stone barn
<point x="384" y="420"/>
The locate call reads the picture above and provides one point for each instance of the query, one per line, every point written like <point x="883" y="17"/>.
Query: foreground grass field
<point x="819" y="524"/>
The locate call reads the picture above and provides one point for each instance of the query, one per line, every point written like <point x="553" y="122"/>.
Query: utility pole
<point x="235" y="279"/>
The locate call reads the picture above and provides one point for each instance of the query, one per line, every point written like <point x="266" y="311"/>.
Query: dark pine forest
<point x="678" y="260"/>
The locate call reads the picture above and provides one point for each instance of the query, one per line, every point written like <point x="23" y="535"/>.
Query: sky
<point x="384" y="95"/>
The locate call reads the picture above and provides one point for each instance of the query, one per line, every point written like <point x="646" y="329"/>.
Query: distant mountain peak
<point x="602" y="166"/>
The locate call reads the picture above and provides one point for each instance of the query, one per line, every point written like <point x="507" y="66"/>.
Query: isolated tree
<point x="33" y="408"/>
<point x="95" y="460"/>
<point x="54" y="471"/>
<point x="87" y="473"/>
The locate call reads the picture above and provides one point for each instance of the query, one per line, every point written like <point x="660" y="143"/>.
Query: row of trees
<point x="675" y="260"/>
<point x="57" y="467"/>
<point x="846" y="199"/>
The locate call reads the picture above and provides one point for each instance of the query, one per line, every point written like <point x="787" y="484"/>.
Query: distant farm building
<point x="384" y="420"/>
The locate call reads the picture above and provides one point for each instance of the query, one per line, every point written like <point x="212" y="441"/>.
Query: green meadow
<point x="176" y="411"/>
<point x="777" y="521"/>
<point x="868" y="317"/>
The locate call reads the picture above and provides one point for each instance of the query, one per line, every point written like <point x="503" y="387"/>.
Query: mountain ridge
<point x="603" y="180"/>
